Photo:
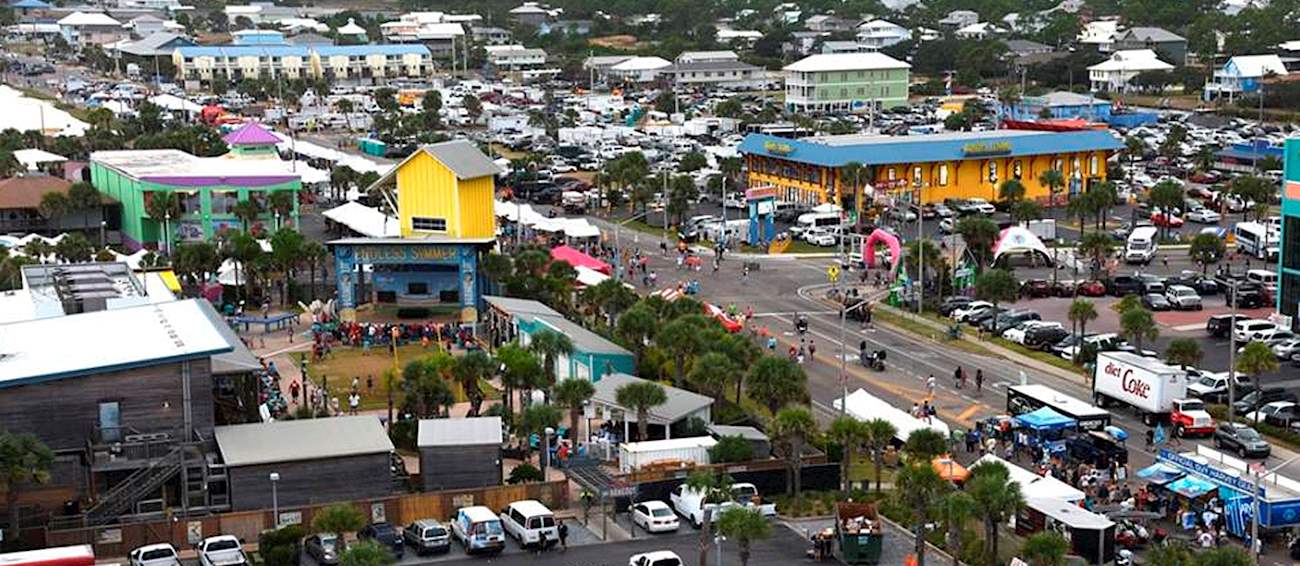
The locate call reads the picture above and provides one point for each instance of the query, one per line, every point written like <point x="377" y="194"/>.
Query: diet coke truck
<point x="1157" y="391"/>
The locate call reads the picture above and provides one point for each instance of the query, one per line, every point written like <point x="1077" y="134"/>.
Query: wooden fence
<point x="118" y="540"/>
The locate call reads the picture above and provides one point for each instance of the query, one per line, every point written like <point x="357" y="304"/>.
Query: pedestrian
<point x="653" y="277"/>
<point x="812" y="349"/>
<point x="563" y="529"/>
<point x="929" y="386"/>
<point x="744" y="275"/>
<point x="771" y="343"/>
<point x="957" y="377"/>
<point x="979" y="380"/>
<point x="293" y="391"/>
<point x="354" y="402"/>
<point x="370" y="383"/>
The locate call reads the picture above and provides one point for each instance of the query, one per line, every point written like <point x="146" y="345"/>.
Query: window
<point x="943" y="175"/>
<point x="1093" y="165"/>
<point x="1291" y="244"/>
<point x="917" y="176"/>
<point x="1016" y="169"/>
<point x="427" y="224"/>
<point x="110" y="421"/>
<point x="1290" y="289"/>
<point x="890" y="174"/>
<point x="993" y="171"/>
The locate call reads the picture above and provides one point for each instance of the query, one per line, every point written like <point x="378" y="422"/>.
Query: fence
<point x="118" y="540"/>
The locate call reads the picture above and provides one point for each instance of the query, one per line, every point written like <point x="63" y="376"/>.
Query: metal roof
<point x="845" y="62"/>
<point x="715" y="65"/>
<point x="584" y="341"/>
<point x="308" y="439"/>
<point x="680" y="401"/>
<point x="459" y="432"/>
<point x="362" y="50"/>
<point x="463" y="158"/>
<point x="515" y="306"/>
<point x="745" y="432"/>
<point x="835" y="151"/>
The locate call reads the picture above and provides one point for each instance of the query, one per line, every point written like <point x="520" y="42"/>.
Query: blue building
<point x="1288" y="288"/>
<point x="1245" y="157"/>
<point x="593" y="356"/>
<point x="1063" y="105"/>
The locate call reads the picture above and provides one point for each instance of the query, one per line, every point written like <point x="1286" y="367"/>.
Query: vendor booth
<point x="1034" y="485"/>
<point x="1046" y="429"/>
<point x="1091" y="536"/>
<point x="865" y="406"/>
<point x="1206" y="474"/>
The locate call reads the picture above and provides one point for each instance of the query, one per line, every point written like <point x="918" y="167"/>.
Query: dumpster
<point x="859" y="530"/>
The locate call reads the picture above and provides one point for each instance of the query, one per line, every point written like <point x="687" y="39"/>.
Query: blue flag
<point x="1160" y="437"/>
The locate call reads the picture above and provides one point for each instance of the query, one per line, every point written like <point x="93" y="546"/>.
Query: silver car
<point x="1183" y="298"/>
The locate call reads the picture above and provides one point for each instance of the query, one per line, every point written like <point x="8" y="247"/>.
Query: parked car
<point x="1155" y="302"/>
<point x="1204" y="216"/>
<point x="386" y="535"/>
<point x="1197" y="282"/>
<point x="1278" y="413"/>
<point x="1166" y="219"/>
<point x="1183" y="298"/>
<point x="656" y="558"/>
<point x="1254" y="399"/>
<point x="1152" y="283"/>
<point x="949" y="304"/>
<point x="986" y="319"/>
<point x="948" y="225"/>
<point x="820" y="237"/>
<point x="322" y="548"/>
<point x="1285" y="349"/>
<point x="1242" y="439"/>
<point x="1219" y="325"/>
<point x="154" y="555"/>
<point x="427" y="536"/>
<point x="974" y="308"/>
<point x="1253" y="329"/>
<point x="1245" y="296"/>
<point x="1092" y="288"/>
<point x="1043" y="337"/>
<point x="1018" y="332"/>
<point x="530" y="523"/>
<point x="1036" y="288"/>
<point x="1212" y="387"/>
<point x="654" y="517"/>
<point x="1121" y="285"/>
<point x="221" y="550"/>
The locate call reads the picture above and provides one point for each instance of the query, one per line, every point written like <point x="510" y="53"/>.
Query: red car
<point x="1092" y="288"/>
<point x="1170" y="220"/>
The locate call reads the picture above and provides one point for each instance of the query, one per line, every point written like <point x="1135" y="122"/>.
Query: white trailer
<point x="635" y="455"/>
<point x="1143" y="383"/>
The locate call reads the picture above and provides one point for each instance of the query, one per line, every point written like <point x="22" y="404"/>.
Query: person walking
<point x="563" y="530"/>
<point x="812" y="349"/>
<point x="929" y="386"/>
<point x="957" y="377"/>
<point x="979" y="381"/>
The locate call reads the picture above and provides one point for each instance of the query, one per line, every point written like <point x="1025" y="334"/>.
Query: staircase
<point x="143" y="482"/>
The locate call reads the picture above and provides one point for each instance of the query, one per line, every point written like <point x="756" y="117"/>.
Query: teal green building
<point x="206" y="188"/>
<point x="846" y="82"/>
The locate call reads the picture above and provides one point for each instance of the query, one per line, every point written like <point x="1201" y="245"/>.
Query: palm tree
<point x="1054" y="181"/>
<point x="162" y="207"/>
<point x="573" y="394"/>
<point x="24" y="461"/>
<point x="711" y="373"/>
<point x="74" y="248"/>
<point x="550" y="345"/>
<point x="247" y="212"/>
<point x="469" y="370"/>
<point x="521" y="371"/>
<point x="1081" y="313"/>
<point x="1097" y="247"/>
<point x="1138" y="326"/>
<point x="1183" y="352"/>
<point x="244" y="250"/>
<point x="979" y="233"/>
<point x="743" y="525"/>
<point x="281" y="204"/>
<point x="536" y="419"/>
<point x="1046" y="548"/>
<point x="339" y="518"/>
<point x="776" y="381"/>
<point x="1206" y="249"/>
<point x="917" y="487"/>
<point x="641" y="396"/>
<point x="716" y="489"/>
<point x="996" y="497"/>
<point x="878" y="435"/>
<point x="424" y="385"/>
<point x="794" y="426"/>
<point x="1011" y="191"/>
<point x="955" y="510"/>
<point x="1256" y="359"/>
<point x="923" y="445"/>
<point x="924" y="253"/>
<point x="636" y="326"/>
<point x="681" y="338"/>
<point x="38" y="249"/>
<point x="314" y="253"/>
<point x="54" y="204"/>
<point x="849" y="433"/>
<point x="851" y="174"/>
<point x="996" y="286"/>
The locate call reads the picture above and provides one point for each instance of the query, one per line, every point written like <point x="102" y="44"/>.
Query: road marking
<point x="1189" y="327"/>
<point x="970" y="411"/>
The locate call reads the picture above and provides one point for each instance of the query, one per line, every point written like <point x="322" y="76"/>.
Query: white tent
<point x="865" y="406"/>
<point x="1018" y="240"/>
<point x="364" y="220"/>
<point x="32" y="158"/>
<point x="25" y="114"/>
<point x="588" y="277"/>
<point x="175" y="104"/>
<point x="1034" y="485"/>
<point x="825" y="208"/>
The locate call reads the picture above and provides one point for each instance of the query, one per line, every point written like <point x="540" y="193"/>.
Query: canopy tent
<point x="311" y="175"/>
<point x="1160" y="473"/>
<point x="865" y="406"/>
<point x="576" y="258"/>
<point x="1045" y="419"/>
<point x="175" y="103"/>
<point x="950" y="470"/>
<point x="32" y="158"/>
<point x="1034" y="485"/>
<point x="364" y="220"/>
<point x="580" y="228"/>
<point x="1017" y="240"/>
<point x="1190" y="486"/>
<point x="588" y="277"/>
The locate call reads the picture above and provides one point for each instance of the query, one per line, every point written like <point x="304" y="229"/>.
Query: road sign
<point x="833" y="273"/>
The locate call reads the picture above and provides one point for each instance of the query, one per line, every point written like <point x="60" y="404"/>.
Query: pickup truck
<point x="1212" y="387"/>
<point x="690" y="503"/>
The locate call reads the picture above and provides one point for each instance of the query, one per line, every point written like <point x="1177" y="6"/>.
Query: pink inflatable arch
<point x="869" y="248"/>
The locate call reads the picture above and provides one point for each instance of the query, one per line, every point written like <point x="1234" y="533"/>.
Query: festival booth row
<point x="1200" y="477"/>
<point x="522" y="222"/>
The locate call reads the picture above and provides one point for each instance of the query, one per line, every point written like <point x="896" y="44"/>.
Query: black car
<point x="1036" y="288"/>
<point x="1043" y="337"/>
<point x="985" y="314"/>
<point x="1098" y="449"/>
<point x="1252" y="400"/>
<point x="1007" y="320"/>
<point x="1156" y="302"/>
<point x="1121" y="285"/>
<point x="1219" y="325"/>
<point x="1241" y="439"/>
<point x="1202" y="285"/>
<point x="386" y="535"/>
<point x="1245" y="296"/>
<point x="952" y="303"/>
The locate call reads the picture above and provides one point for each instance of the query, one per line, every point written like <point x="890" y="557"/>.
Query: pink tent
<point x="576" y="258"/>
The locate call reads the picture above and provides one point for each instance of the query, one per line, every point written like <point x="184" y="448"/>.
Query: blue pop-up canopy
<point x="1045" y="419"/>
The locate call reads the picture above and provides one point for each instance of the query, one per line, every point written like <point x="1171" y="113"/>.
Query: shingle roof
<point x="463" y="158"/>
<point x="835" y="151"/>
<point x="680" y="401"/>
<point x="155" y="44"/>
<point x="459" y="432"/>
<point x="309" y="439"/>
<point x="1157" y="35"/>
<point x="26" y="192"/>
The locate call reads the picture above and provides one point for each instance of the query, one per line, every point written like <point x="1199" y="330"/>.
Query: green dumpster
<point x="859" y="531"/>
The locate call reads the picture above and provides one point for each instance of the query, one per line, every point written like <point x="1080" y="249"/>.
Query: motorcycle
<point x="801" y="325"/>
<point x="874" y="360"/>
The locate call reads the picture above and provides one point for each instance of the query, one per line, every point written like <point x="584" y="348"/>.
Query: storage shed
<point x="757" y="439"/>
<point x="459" y="453"/>
<point x="318" y="461"/>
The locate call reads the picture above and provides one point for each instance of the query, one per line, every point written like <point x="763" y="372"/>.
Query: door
<point x="110" y="421"/>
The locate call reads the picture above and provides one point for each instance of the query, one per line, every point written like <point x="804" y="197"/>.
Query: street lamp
<point x="546" y="446"/>
<point x="103" y="225"/>
<point x="275" y="499"/>
<point x="844" y="372"/>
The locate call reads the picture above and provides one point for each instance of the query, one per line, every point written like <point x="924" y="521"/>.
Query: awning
<point x="1160" y="473"/>
<point x="1190" y="486"/>
<point x="364" y="220"/>
<point x="576" y="258"/>
<point x="169" y="278"/>
<point x="950" y="470"/>
<point x="1045" y="419"/>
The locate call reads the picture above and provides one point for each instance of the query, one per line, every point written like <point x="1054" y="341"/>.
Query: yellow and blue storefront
<point x="957" y="165"/>
<point x="444" y="198"/>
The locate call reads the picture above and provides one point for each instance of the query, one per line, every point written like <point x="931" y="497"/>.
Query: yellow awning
<point x="169" y="279"/>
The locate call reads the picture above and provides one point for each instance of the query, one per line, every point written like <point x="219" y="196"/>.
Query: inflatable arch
<point x="869" y="248"/>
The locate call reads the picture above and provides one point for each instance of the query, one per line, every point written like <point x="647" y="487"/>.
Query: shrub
<point x="525" y="473"/>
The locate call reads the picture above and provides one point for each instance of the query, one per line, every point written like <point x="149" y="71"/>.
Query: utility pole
<point x="920" y="272"/>
<point x="1232" y="349"/>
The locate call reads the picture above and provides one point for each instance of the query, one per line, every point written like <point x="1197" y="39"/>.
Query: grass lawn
<point x="345" y="363"/>
<point x="1041" y="356"/>
<point x="921" y="329"/>
<point x="864" y="470"/>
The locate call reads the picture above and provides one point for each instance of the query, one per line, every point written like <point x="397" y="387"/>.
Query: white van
<point x="811" y="220"/>
<point x="1141" y="246"/>
<point x="1266" y="278"/>
<point x="530" y="522"/>
<point x="478" y="530"/>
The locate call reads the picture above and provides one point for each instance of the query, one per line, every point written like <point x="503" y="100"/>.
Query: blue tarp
<point x="1190" y="486"/>
<point x="1045" y="419"/>
<point x="1160" y="473"/>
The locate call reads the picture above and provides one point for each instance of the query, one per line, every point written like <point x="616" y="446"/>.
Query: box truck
<point x="1157" y="392"/>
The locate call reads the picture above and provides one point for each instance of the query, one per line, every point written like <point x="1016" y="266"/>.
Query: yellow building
<point x="444" y="198"/>
<point x="955" y="165"/>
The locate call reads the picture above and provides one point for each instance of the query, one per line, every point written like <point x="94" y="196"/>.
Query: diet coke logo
<point x="1130" y="384"/>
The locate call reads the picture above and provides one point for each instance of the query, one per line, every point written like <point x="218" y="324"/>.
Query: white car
<point x="1284" y="411"/>
<point x="1253" y="329"/>
<point x="947" y="225"/>
<point x="655" y="517"/>
<point x="563" y="168"/>
<point x="734" y="201"/>
<point x="1204" y="216"/>
<point x="961" y="314"/>
<point x="819" y="237"/>
<point x="656" y="558"/>
<point x="980" y="205"/>
<point x="154" y="555"/>
<point x="1017" y="333"/>
<point x="221" y="550"/>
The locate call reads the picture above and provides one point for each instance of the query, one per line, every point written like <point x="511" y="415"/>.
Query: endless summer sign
<point x="978" y="149"/>
<point x="404" y="253"/>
